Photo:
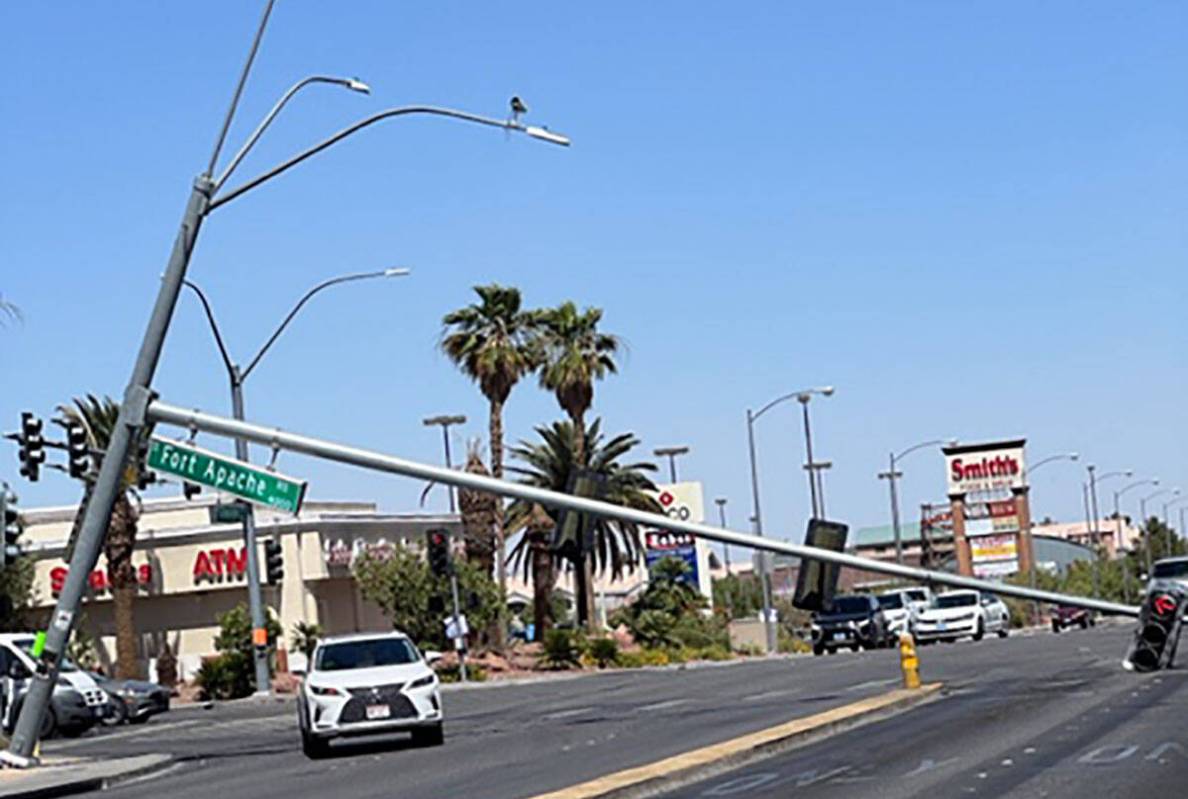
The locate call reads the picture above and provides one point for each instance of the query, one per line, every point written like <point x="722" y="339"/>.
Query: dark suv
<point x="853" y="620"/>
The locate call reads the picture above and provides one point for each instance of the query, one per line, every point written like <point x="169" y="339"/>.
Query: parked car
<point x="68" y="713"/>
<point x="367" y="684"/>
<point x="853" y="620"/>
<point x="19" y="648"/>
<point x="1065" y="616"/>
<point x="919" y="598"/>
<point x="899" y="613"/>
<point x="958" y="614"/>
<point x="132" y="701"/>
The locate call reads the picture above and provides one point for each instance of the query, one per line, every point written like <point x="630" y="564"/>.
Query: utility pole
<point x="891" y="475"/>
<point x="721" y="503"/>
<point x="445" y="421"/>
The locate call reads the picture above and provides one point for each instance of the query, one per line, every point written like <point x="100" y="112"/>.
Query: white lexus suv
<point x="367" y="684"/>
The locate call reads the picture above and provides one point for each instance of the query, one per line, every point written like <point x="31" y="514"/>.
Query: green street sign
<point x="252" y="483"/>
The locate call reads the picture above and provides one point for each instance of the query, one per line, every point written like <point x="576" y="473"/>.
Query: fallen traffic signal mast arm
<point x="193" y="419"/>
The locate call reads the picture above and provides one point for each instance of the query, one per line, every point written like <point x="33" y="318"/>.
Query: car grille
<point x="390" y="695"/>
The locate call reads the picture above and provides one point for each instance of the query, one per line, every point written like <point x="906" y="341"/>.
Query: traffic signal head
<point x="1158" y="632"/>
<point x="274" y="564"/>
<point x="32" y="446"/>
<point x="440" y="562"/>
<point x="191" y="490"/>
<point x="78" y="453"/>
<point x="10" y="527"/>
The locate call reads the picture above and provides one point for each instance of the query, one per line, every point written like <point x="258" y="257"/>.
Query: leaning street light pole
<point x="764" y="560"/>
<point x="1094" y="479"/>
<point x="1154" y="481"/>
<point x="128" y="431"/>
<point x="721" y="503"/>
<point x="1166" y="505"/>
<point x="671" y="453"/>
<point x="236" y="378"/>
<point x="445" y="422"/>
<point x="892" y="476"/>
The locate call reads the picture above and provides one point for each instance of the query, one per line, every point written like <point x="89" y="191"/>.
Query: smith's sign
<point x="974" y="468"/>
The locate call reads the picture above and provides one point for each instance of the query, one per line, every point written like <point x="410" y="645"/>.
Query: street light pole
<point x="671" y="453"/>
<point x="1147" y="525"/>
<point x="236" y="377"/>
<point x="1064" y="456"/>
<point x="764" y="563"/>
<point x="445" y="422"/>
<point x="892" y="476"/>
<point x="721" y="503"/>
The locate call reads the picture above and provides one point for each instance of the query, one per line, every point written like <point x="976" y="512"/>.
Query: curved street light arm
<point x="276" y="109"/>
<point x="214" y="327"/>
<point x="1108" y="475"/>
<point x="1139" y="484"/>
<point x="506" y="124"/>
<point x="1156" y="494"/>
<point x="921" y="445"/>
<point x="309" y="294"/>
<point x="1069" y="456"/>
<point x="824" y="391"/>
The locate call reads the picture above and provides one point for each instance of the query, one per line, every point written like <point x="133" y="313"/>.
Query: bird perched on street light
<point x="517" y="108"/>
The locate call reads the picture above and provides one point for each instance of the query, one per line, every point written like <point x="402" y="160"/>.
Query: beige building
<point x="191" y="568"/>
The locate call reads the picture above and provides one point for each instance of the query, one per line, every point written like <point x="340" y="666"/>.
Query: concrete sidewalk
<point x="63" y="776"/>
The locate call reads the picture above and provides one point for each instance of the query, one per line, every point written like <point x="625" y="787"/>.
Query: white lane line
<point x="769" y="694"/>
<point x="872" y="684"/>
<point x="663" y="705"/>
<point x="564" y="714"/>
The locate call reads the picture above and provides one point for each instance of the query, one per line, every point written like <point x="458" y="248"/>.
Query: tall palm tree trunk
<point x="543" y="573"/>
<point x="586" y="566"/>
<point x="121" y="540"/>
<point x="496" y="432"/>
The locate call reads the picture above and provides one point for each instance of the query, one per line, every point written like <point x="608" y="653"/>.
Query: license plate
<point x="839" y="636"/>
<point x="378" y="712"/>
<point x="940" y="625"/>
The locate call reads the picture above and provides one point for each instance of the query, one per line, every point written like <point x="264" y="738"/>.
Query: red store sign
<point x="217" y="565"/>
<point x="99" y="581"/>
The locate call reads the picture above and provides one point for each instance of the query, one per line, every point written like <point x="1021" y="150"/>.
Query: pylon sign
<point x="684" y="502"/>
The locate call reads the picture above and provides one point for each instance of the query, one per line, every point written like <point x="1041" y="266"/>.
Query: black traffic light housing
<point x="816" y="581"/>
<point x="32" y="446"/>
<point x="573" y="536"/>
<point x="1158" y="633"/>
<point x="274" y="564"/>
<point x="78" y="453"/>
<point x="10" y="527"/>
<point x="437" y="543"/>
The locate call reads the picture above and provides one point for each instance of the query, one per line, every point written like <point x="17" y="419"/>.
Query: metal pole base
<point x="10" y="760"/>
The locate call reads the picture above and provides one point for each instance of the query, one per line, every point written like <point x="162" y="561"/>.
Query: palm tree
<point x="478" y="515"/>
<point x="98" y="419"/>
<point x="493" y="343"/>
<point x="574" y="353"/>
<point x="549" y="464"/>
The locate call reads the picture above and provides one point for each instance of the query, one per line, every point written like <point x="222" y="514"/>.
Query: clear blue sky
<point x="969" y="217"/>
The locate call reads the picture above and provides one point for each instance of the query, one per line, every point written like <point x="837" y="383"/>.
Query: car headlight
<point x="428" y="679"/>
<point x="325" y="690"/>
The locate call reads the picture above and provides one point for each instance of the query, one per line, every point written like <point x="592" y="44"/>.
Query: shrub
<point x="474" y="673"/>
<point x="562" y="650"/>
<point x="604" y="651"/>
<point x="654" y="629"/>
<point x="228" y="676"/>
<point x="714" y="652"/>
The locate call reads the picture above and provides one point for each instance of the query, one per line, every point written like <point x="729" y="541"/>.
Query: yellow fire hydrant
<point x="908" y="661"/>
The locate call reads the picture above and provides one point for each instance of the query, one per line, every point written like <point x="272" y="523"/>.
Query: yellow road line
<point x="612" y="784"/>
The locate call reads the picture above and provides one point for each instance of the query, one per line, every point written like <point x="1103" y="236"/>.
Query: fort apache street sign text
<point x="252" y="483"/>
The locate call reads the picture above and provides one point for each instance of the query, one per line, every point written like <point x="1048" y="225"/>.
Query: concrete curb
<point x="673" y="772"/>
<point x="79" y="776"/>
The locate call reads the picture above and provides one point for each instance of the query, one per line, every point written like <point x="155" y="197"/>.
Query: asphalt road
<point x="518" y="741"/>
<point x="1076" y="726"/>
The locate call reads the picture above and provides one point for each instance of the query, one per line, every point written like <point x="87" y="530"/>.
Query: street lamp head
<point x="397" y="271"/>
<point x="1129" y="473"/>
<point x="544" y="134"/>
<point x="1072" y="456"/>
<point x="826" y="391"/>
<point x="444" y="420"/>
<point x="720" y="500"/>
<point x="951" y="442"/>
<point x="356" y="85"/>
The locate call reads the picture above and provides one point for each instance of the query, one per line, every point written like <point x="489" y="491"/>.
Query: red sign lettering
<point x="99" y="580"/>
<point x="218" y="564"/>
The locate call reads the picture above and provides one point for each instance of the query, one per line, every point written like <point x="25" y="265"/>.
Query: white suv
<point x="367" y="684"/>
